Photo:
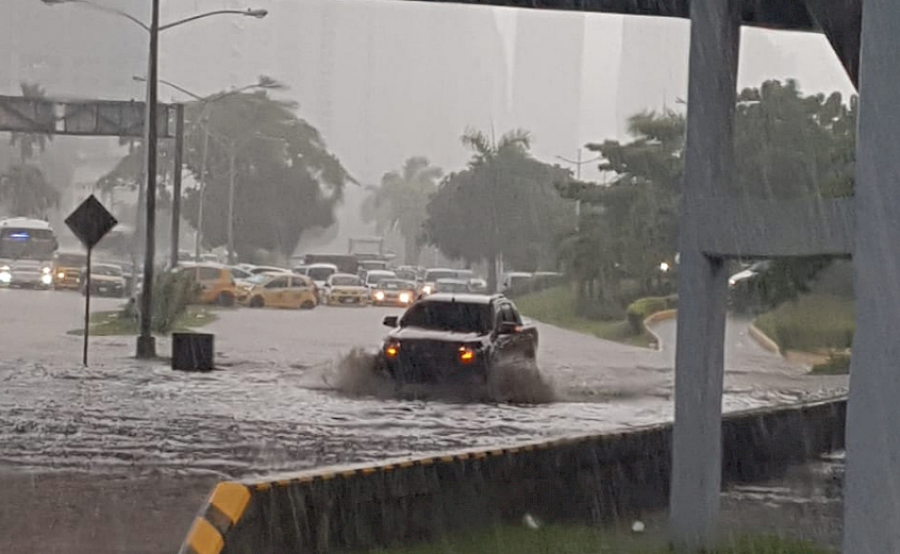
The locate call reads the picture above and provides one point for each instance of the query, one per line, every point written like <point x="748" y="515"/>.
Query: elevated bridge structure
<point x="715" y="227"/>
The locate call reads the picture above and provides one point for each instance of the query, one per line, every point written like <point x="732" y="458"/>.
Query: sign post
<point x="90" y="222"/>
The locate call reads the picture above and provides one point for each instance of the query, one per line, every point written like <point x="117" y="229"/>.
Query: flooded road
<point x="274" y="407"/>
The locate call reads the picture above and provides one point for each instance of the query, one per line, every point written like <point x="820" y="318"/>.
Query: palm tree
<point x="27" y="191"/>
<point x="489" y="157"/>
<point x="29" y="142"/>
<point x="401" y="200"/>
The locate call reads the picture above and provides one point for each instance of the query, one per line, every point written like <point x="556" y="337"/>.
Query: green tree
<point x="30" y="144"/>
<point x="787" y="145"/>
<point x="23" y="187"/>
<point x="285" y="180"/>
<point x="26" y="191"/>
<point x="400" y="203"/>
<point x="503" y="204"/>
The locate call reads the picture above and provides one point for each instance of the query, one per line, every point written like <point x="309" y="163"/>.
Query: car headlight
<point x="404" y="297"/>
<point x="5" y="276"/>
<point x="427" y="289"/>
<point x="466" y="354"/>
<point x="61" y="275"/>
<point x="47" y="279"/>
<point x="379" y="295"/>
<point x="46" y="270"/>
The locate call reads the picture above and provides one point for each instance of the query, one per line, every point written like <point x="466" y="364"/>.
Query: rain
<point x="417" y="271"/>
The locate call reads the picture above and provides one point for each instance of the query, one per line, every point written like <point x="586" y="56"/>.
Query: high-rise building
<point x="547" y="87"/>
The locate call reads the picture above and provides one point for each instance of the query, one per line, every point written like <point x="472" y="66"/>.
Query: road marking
<point x="204" y="538"/>
<point x="231" y="499"/>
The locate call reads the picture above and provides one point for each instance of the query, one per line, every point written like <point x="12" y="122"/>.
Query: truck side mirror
<point x="390" y="321"/>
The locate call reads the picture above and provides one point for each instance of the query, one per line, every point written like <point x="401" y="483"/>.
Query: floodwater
<point x="283" y="401"/>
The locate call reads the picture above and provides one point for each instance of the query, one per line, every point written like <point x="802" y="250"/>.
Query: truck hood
<point x="417" y="333"/>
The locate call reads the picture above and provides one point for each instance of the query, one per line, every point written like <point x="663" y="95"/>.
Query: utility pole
<point x="176" y="186"/>
<point x="231" y="181"/>
<point x="146" y="345"/>
<point x="202" y="193"/>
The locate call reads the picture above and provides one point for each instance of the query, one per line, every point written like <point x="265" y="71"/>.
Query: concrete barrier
<point x="594" y="478"/>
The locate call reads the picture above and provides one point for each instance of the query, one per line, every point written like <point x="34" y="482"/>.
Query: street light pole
<point x="146" y="345"/>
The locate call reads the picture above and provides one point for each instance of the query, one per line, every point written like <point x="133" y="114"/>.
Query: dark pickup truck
<point x="450" y="337"/>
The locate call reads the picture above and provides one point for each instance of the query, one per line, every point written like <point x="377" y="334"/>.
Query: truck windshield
<point x="459" y="317"/>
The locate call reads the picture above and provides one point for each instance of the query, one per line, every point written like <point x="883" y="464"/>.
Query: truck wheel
<point x="257" y="302"/>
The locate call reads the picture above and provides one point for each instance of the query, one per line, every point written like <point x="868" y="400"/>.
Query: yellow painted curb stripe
<point x="204" y="538"/>
<point x="231" y="499"/>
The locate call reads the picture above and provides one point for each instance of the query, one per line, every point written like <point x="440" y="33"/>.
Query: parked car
<point x="450" y="337"/>
<point x="278" y="290"/>
<point x="217" y="286"/>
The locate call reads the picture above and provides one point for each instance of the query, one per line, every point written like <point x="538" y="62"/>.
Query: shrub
<point x="642" y="308"/>
<point x="811" y="323"/>
<point x="172" y="293"/>
<point x="838" y="363"/>
<point x="599" y="310"/>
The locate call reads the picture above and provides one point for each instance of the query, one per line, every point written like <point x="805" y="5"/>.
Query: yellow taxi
<point x="278" y="290"/>
<point x="67" y="270"/>
<point x="216" y="283"/>
<point x="344" y="288"/>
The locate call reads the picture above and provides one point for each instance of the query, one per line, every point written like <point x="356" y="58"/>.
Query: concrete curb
<point x="764" y="340"/>
<point x="402" y="501"/>
<point x="656" y="318"/>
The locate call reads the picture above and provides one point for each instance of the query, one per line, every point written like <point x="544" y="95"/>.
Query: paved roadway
<point x="275" y="406"/>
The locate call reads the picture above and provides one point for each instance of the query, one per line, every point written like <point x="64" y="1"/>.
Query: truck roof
<point x="464" y="297"/>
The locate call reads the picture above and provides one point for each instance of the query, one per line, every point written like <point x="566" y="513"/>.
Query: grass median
<point x="557" y="306"/>
<point x="115" y="322"/>
<point x="588" y="540"/>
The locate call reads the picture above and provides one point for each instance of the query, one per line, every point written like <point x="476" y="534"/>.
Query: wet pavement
<point x="274" y="406"/>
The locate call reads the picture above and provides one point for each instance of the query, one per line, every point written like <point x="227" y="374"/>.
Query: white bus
<point x="27" y="248"/>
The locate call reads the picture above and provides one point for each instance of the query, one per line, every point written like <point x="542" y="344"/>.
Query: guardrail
<point x="593" y="478"/>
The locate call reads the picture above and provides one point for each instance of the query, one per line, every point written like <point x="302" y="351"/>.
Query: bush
<point x="172" y="293"/>
<point x="599" y="309"/>
<point x="642" y="308"/>
<point x="838" y="363"/>
<point x="812" y="323"/>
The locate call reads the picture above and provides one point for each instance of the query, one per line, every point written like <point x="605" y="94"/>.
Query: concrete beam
<point x="775" y="14"/>
<point x="745" y="228"/>
<point x="841" y="20"/>
<point x="702" y="279"/>
<point x="872" y="491"/>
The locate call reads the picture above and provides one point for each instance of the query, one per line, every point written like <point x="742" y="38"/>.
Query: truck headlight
<point x="47" y="279"/>
<point x="466" y="354"/>
<point x="426" y="289"/>
<point x="46" y="270"/>
<point x="61" y="275"/>
<point x="5" y="276"/>
<point x="379" y="295"/>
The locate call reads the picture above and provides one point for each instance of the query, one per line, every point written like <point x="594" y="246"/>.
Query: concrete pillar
<point x="872" y="493"/>
<point x="702" y="280"/>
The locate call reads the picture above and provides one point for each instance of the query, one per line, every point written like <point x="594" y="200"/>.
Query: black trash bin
<point x="192" y="352"/>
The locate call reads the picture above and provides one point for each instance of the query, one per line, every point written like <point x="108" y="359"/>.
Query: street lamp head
<point x="258" y="14"/>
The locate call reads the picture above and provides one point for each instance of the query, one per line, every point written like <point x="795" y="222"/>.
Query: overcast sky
<point x="387" y="80"/>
